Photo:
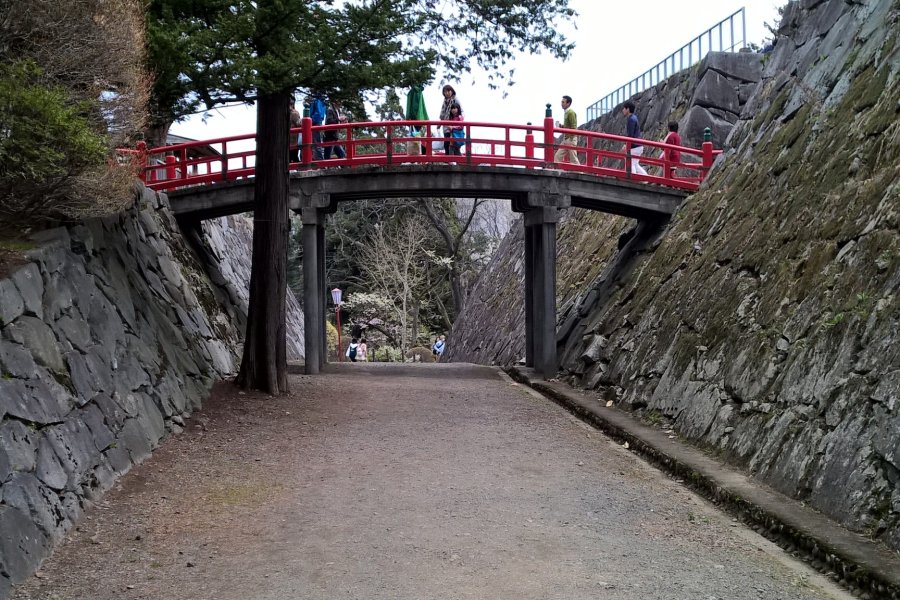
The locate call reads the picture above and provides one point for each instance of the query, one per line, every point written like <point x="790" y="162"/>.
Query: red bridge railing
<point x="421" y="142"/>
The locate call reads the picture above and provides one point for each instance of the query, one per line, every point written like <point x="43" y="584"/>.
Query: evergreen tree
<point x="210" y="52"/>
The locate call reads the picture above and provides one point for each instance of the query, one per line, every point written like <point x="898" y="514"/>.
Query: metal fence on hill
<point x="728" y="35"/>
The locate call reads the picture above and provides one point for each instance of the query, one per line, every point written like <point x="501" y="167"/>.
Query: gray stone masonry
<point x="496" y="303"/>
<point x="109" y="338"/>
<point x="762" y="323"/>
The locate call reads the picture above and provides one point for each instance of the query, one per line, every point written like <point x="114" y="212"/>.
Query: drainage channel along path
<point x="379" y="481"/>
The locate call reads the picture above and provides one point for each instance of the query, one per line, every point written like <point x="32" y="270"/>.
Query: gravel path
<point x="407" y="481"/>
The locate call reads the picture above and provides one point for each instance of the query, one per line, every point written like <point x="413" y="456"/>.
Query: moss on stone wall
<point x="771" y="304"/>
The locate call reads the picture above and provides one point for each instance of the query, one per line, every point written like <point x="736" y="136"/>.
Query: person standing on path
<point x="449" y="100"/>
<point x="362" y="353"/>
<point x="353" y="350"/>
<point x="633" y="130"/>
<point x="439" y="346"/>
<point x="570" y="121"/>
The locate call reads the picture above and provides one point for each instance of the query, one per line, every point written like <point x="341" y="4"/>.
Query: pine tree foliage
<point x="205" y="53"/>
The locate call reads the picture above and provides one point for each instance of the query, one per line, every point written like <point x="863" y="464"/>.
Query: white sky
<point x="614" y="43"/>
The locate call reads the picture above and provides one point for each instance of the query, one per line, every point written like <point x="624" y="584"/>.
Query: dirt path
<point x="407" y="481"/>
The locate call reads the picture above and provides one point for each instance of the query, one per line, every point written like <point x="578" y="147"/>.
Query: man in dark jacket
<point x="332" y="117"/>
<point x="633" y="129"/>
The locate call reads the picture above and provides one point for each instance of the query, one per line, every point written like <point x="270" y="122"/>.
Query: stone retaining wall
<point x="763" y="322"/>
<point x="491" y="327"/>
<point x="109" y="338"/>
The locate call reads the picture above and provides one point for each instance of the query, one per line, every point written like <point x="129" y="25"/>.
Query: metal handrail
<point x="675" y="62"/>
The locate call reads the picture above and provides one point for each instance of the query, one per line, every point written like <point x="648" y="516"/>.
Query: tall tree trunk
<point x="156" y="134"/>
<point x="456" y="286"/>
<point x="264" y="363"/>
<point x="453" y="244"/>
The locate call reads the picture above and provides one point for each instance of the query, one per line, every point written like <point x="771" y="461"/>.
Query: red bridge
<point x="391" y="143"/>
<point x="388" y="159"/>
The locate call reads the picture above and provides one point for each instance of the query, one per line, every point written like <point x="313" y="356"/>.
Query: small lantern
<point x="336" y="296"/>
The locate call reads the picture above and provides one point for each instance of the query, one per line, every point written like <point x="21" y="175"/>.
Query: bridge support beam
<point x="540" y="244"/>
<point x="529" y="296"/>
<point x="313" y="289"/>
<point x="323" y="290"/>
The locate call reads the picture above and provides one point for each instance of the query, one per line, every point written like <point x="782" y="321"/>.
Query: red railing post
<point x="707" y="151"/>
<point x="351" y="147"/>
<point x="628" y="160"/>
<point x="389" y="145"/>
<point x="428" y="148"/>
<point x="224" y="161"/>
<point x="529" y="142"/>
<point x="182" y="157"/>
<point x="668" y="171"/>
<point x="170" y="167"/>
<point x="142" y="160"/>
<point x="508" y="153"/>
<point x="307" y="141"/>
<point x="548" y="135"/>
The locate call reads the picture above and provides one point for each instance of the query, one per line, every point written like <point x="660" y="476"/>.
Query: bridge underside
<point x="539" y="194"/>
<point x="524" y="187"/>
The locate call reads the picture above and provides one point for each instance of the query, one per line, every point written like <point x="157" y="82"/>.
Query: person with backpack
<point x="317" y="110"/>
<point x="353" y="350"/>
<point x="439" y="346"/>
<point x="333" y="116"/>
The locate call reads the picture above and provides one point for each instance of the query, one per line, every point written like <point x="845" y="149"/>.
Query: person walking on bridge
<point x="672" y="155"/>
<point x="449" y="100"/>
<point x="633" y="130"/>
<point x="317" y="110"/>
<point x="570" y="121"/>
<point x="333" y="116"/>
<point x="296" y="121"/>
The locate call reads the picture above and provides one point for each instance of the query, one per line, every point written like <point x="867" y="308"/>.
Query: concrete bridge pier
<point x="314" y="306"/>
<point x="323" y="290"/>
<point x="540" y="289"/>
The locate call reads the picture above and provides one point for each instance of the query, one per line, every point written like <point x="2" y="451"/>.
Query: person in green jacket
<point x="570" y="121"/>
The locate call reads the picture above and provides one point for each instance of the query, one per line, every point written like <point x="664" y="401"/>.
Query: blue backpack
<point x="317" y="111"/>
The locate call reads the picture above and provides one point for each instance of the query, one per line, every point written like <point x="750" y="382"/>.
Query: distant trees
<point x="398" y="272"/>
<point x="454" y="241"/>
<point x="72" y="87"/>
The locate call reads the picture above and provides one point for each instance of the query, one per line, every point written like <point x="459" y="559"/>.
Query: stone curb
<point x="861" y="565"/>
